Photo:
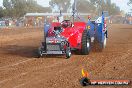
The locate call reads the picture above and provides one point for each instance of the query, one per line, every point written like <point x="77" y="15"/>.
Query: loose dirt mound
<point x="20" y="69"/>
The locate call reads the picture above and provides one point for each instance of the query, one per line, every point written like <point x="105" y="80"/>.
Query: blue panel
<point x="92" y="28"/>
<point x="99" y="34"/>
<point x="46" y="28"/>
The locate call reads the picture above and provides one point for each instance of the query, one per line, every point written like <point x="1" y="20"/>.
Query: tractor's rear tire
<point x="103" y="44"/>
<point x="86" y="43"/>
<point x="100" y="46"/>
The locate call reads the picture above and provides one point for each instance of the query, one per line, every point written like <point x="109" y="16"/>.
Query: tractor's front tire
<point x="86" y="43"/>
<point x="68" y="53"/>
<point x="40" y="52"/>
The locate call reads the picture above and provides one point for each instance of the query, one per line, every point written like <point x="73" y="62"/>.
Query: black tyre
<point x="103" y="44"/>
<point x="68" y="53"/>
<point x="40" y="52"/>
<point x="86" y="43"/>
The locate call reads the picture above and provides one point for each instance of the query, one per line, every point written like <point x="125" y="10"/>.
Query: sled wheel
<point x="40" y="54"/>
<point x="85" y="43"/>
<point x="68" y="53"/>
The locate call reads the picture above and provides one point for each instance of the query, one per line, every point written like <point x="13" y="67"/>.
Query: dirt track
<point x="20" y="69"/>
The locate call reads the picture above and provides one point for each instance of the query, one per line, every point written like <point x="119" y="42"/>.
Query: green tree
<point x="106" y="6"/>
<point x="1" y="12"/>
<point x="97" y="6"/>
<point x="64" y="4"/>
<point x="8" y="6"/>
<point x="85" y="6"/>
<point x="18" y="8"/>
<point x="130" y="2"/>
<point x="32" y="6"/>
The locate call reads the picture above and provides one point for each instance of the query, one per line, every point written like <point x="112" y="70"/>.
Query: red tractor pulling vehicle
<point x="63" y="37"/>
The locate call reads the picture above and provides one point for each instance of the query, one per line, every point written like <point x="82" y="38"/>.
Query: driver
<point x="66" y="23"/>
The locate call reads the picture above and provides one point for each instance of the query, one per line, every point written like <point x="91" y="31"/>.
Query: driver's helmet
<point x="66" y="23"/>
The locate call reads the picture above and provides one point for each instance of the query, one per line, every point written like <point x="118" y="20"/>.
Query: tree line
<point x="130" y="3"/>
<point x="18" y="8"/>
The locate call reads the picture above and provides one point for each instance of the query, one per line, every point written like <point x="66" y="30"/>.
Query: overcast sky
<point x="121" y="3"/>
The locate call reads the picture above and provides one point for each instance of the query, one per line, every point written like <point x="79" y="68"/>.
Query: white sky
<point x="121" y="3"/>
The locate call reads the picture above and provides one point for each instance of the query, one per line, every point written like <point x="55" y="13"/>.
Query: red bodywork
<point x="72" y="34"/>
